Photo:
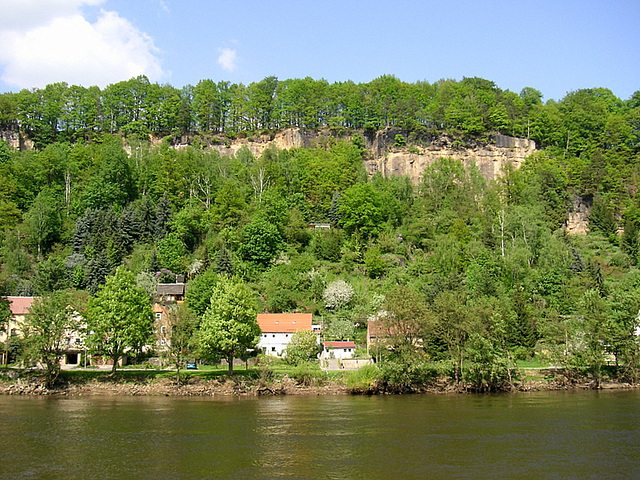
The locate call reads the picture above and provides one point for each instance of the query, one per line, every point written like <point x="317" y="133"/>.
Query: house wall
<point x="341" y="353"/>
<point x="274" y="343"/>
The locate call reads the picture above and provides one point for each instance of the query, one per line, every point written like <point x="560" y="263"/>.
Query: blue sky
<point x="555" y="46"/>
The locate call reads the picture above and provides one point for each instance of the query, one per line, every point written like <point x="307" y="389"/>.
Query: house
<point x="278" y="328"/>
<point x="318" y="225"/>
<point x="170" y="292"/>
<point x="20" y="307"/>
<point x="167" y="294"/>
<point x="161" y="327"/>
<point x="339" y="350"/>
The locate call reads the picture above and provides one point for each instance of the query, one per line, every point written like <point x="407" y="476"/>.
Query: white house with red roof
<point x="340" y="350"/>
<point x="278" y="328"/>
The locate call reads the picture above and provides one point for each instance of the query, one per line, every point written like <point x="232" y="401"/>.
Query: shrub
<point x="364" y="380"/>
<point x="308" y="374"/>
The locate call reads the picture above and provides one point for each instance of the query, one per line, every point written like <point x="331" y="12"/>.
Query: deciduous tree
<point x="229" y="327"/>
<point x="119" y="317"/>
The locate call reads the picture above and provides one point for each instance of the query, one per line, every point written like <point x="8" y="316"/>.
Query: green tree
<point x="302" y="347"/>
<point x="260" y="242"/>
<point x="47" y="330"/>
<point x="182" y="324"/>
<point x="43" y="222"/>
<point x="360" y="211"/>
<point x="198" y="294"/>
<point x="229" y="327"/>
<point x="119" y="317"/>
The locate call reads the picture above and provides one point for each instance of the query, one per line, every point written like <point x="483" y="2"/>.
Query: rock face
<point x="577" y="221"/>
<point x="385" y="157"/>
<point x="490" y="158"/>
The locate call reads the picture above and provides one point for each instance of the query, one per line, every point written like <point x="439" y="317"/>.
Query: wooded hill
<point x="480" y="272"/>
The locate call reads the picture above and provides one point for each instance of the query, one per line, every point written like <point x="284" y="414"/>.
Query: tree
<point x="360" y="210"/>
<point x="43" y="222"/>
<point x="302" y="347"/>
<point x="229" y="327"/>
<point x="338" y="294"/>
<point x="47" y="329"/>
<point x="119" y="317"/>
<point x="261" y="242"/>
<point x="200" y="290"/>
<point x="182" y="325"/>
<point x="406" y="323"/>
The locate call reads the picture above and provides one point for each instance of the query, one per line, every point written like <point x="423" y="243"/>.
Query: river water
<point x="533" y="435"/>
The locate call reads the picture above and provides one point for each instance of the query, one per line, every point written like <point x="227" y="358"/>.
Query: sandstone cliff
<point x="490" y="158"/>
<point x="385" y="157"/>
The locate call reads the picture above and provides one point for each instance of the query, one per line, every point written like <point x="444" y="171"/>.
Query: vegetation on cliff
<point x="466" y="275"/>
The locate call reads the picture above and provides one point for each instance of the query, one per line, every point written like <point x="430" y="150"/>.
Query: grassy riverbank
<point x="251" y="381"/>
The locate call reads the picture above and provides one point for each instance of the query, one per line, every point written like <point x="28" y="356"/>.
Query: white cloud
<point x="47" y="41"/>
<point x="227" y="59"/>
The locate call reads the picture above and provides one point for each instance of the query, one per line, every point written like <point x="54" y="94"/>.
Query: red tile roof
<point x="284" y="322"/>
<point x="340" y="344"/>
<point x="20" y="305"/>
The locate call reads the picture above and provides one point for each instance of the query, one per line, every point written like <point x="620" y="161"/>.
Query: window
<point x="158" y="316"/>
<point x="163" y="329"/>
<point x="163" y="341"/>
<point x="273" y="349"/>
<point x="274" y="336"/>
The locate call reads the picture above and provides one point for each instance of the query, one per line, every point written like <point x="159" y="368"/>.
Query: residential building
<point x="20" y="307"/>
<point x="338" y="349"/>
<point x="278" y="328"/>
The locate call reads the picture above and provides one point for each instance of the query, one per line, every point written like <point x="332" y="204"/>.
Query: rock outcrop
<point x="386" y="157"/>
<point x="490" y="158"/>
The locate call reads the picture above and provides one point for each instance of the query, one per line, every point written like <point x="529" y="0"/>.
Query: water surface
<point x="533" y="435"/>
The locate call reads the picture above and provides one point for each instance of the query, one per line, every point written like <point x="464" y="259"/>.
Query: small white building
<point x="278" y="328"/>
<point x="341" y="350"/>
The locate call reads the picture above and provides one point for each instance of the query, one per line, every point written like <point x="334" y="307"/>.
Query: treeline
<point x="467" y="275"/>
<point x="472" y="106"/>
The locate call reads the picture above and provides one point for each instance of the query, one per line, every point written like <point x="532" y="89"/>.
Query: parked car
<point x="192" y="366"/>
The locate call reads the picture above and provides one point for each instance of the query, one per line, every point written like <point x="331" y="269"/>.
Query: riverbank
<point x="154" y="383"/>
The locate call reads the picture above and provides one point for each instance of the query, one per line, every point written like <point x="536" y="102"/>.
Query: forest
<point x="468" y="276"/>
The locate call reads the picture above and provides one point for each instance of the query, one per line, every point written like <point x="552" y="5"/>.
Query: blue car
<point x="192" y="366"/>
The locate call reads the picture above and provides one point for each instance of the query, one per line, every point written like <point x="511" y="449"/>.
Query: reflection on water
<point x="535" y="435"/>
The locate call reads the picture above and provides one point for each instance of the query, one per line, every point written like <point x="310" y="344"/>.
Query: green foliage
<point x="48" y="328"/>
<point x="119" y="316"/>
<point x="308" y="374"/>
<point x="360" y="211"/>
<point x="229" y="327"/>
<point x="260" y="242"/>
<point x="201" y="287"/>
<point x="489" y="272"/>
<point x="182" y="325"/>
<point x="303" y="347"/>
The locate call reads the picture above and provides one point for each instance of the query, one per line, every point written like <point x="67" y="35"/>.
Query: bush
<point x="302" y="347"/>
<point x="364" y="380"/>
<point x="308" y="374"/>
<point x="409" y="377"/>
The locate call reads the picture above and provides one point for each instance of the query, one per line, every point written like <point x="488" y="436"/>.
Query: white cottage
<point x="341" y="350"/>
<point x="278" y="328"/>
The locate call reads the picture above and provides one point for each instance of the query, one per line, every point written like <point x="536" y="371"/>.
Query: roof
<point x="284" y="322"/>
<point x="20" y="305"/>
<point x="171" y="289"/>
<point x="348" y="344"/>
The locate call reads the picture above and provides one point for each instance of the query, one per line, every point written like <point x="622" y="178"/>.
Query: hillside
<point x="445" y="205"/>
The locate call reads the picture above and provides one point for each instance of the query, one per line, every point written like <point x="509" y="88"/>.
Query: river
<point x="584" y="434"/>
